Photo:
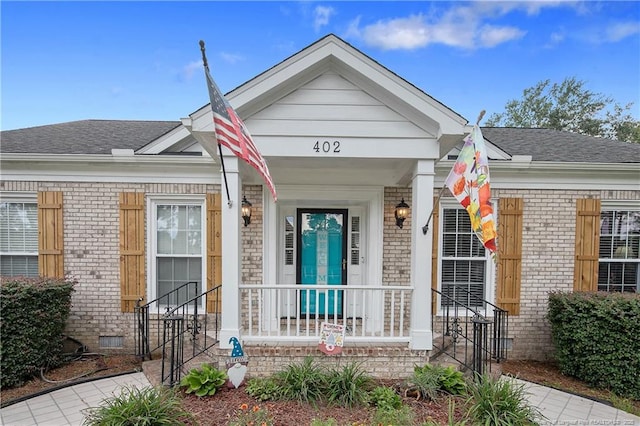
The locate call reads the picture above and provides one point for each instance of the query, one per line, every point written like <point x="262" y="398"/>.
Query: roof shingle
<point x="84" y="137"/>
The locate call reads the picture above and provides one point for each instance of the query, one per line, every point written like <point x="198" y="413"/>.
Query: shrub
<point x="264" y="388"/>
<point x="385" y="397"/>
<point x="302" y="382"/>
<point x="34" y="314"/>
<point x="452" y="380"/>
<point x="348" y="386"/>
<point x="139" y="407"/>
<point x="425" y="381"/>
<point x="204" y="381"/>
<point x="497" y="402"/>
<point x="597" y="340"/>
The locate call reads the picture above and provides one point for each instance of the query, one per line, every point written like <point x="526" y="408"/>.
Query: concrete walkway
<point x="63" y="407"/>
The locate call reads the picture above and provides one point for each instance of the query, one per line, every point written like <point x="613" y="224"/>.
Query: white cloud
<point x="621" y="30"/>
<point x="231" y="58"/>
<point x="190" y="68"/>
<point x="403" y="33"/>
<point x="490" y="36"/>
<point x="466" y="26"/>
<point x="321" y="15"/>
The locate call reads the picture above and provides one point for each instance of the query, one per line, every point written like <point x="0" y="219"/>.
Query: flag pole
<point x="425" y="228"/>
<point x="224" y="172"/>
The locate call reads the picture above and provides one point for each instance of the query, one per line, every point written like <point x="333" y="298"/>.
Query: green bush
<point x="139" y="407"/>
<point x="348" y="386"/>
<point x="204" y="381"/>
<point x="302" y="382"/>
<point x="264" y="388"/>
<point x="385" y="397"/>
<point x="499" y="402"/>
<point x="34" y="314"/>
<point x="596" y="339"/>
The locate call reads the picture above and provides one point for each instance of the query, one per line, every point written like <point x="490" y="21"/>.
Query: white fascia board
<point x="106" y="168"/>
<point x="556" y="175"/>
<point x="295" y="146"/>
<point x="165" y="141"/>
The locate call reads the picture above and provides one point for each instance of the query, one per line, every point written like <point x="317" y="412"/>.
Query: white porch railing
<point x="290" y="312"/>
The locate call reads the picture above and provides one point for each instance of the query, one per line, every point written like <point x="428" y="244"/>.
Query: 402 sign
<point x="327" y="147"/>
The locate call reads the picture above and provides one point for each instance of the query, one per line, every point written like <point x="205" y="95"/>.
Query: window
<point x="619" y="250"/>
<point x="19" y="238"/>
<point x="179" y="247"/>
<point x="464" y="261"/>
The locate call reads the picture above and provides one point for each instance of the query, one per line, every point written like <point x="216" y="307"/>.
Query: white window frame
<point x="619" y="205"/>
<point x="30" y="198"/>
<point x="489" y="270"/>
<point x="152" y="204"/>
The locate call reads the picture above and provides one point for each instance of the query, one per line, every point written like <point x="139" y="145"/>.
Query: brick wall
<point x="396" y="256"/>
<point x="91" y="248"/>
<point x="548" y="248"/>
<point x="92" y="252"/>
<point x="265" y="360"/>
<point x="251" y="249"/>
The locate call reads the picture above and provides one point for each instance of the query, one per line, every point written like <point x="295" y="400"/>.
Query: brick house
<point x="132" y="209"/>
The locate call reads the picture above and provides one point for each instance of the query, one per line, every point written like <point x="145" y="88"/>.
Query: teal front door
<point x="321" y="259"/>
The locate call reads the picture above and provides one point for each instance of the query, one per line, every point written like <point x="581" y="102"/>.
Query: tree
<point x="569" y="106"/>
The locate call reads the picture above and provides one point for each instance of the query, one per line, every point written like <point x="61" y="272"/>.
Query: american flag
<point x="232" y="133"/>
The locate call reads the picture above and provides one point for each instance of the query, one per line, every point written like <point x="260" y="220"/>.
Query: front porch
<point x="377" y="324"/>
<point x="294" y="313"/>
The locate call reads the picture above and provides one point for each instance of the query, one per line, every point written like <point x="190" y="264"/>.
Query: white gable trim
<point x="166" y="141"/>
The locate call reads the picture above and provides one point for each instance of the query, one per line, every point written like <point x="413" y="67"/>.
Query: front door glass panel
<point x="321" y="259"/>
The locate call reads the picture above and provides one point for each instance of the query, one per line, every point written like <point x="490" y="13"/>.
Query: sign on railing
<point x="331" y="338"/>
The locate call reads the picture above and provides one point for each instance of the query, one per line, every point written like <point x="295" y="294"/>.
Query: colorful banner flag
<point x="232" y="133"/>
<point x="468" y="181"/>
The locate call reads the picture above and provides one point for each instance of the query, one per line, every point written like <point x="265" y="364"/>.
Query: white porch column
<point x="231" y="260"/>
<point x="421" y="246"/>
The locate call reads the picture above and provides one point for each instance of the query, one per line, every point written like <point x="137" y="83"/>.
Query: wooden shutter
<point x="50" y="235"/>
<point x="214" y="251"/>
<point x="585" y="274"/>
<point x="435" y="229"/>
<point x="132" y="260"/>
<point x="509" y="254"/>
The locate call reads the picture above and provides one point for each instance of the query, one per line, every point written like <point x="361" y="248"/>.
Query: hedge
<point x="597" y="339"/>
<point x="34" y="314"/>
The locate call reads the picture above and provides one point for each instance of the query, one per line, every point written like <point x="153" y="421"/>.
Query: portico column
<point x="231" y="274"/>
<point x="421" y="245"/>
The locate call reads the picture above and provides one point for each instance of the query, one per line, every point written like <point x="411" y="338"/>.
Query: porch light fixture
<point x="402" y="211"/>
<point x="246" y="211"/>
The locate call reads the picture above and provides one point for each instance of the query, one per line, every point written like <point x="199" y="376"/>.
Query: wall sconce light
<point x="246" y="211"/>
<point x="402" y="211"/>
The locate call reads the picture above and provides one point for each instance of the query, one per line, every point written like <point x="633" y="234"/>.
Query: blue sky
<point x="66" y="61"/>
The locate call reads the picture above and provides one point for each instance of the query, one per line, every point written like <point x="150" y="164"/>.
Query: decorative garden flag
<point x="331" y="338"/>
<point x="468" y="181"/>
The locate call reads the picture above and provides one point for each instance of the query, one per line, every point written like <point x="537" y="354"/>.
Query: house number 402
<point x="327" y="146"/>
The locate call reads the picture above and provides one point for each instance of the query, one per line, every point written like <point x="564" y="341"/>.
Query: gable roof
<point x="558" y="146"/>
<point x="84" y="137"/>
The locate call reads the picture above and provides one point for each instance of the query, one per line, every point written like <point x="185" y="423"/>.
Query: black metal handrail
<point x="500" y="327"/>
<point x="189" y="320"/>
<point x="465" y="332"/>
<point x="147" y="338"/>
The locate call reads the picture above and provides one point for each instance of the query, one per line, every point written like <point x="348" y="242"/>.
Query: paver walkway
<point x="63" y="407"/>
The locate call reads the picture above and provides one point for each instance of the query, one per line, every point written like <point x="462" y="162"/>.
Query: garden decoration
<point x="236" y="364"/>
